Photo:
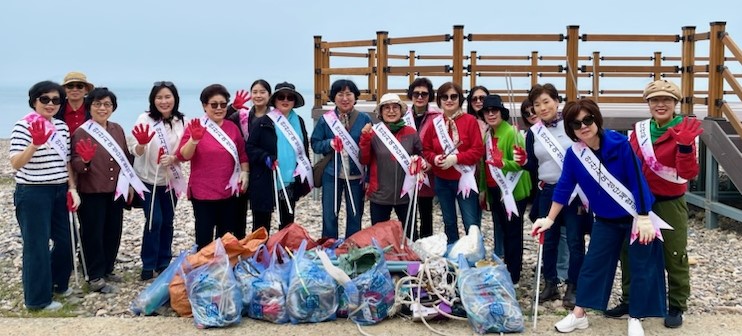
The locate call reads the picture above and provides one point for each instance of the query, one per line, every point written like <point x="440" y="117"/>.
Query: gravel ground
<point x="714" y="306"/>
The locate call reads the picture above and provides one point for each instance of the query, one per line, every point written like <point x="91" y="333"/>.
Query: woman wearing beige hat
<point x="389" y="149"/>
<point x="72" y="111"/>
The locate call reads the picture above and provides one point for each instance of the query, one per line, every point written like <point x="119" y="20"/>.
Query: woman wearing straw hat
<point x="389" y="149"/>
<point x="278" y="145"/>
<point x="72" y="110"/>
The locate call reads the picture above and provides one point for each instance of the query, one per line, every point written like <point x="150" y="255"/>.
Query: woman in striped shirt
<point x="39" y="152"/>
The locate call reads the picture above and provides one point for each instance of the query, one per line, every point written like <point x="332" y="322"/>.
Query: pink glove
<point x="686" y="132"/>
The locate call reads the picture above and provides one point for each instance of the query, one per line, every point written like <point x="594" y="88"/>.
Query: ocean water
<point x="131" y="103"/>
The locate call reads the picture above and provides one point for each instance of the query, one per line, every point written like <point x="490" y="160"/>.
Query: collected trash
<point x="268" y="301"/>
<point x="157" y="294"/>
<point x="312" y="293"/>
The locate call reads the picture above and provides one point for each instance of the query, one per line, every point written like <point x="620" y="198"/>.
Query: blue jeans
<point x="446" y="190"/>
<point x="330" y="217"/>
<point x="157" y="241"/>
<point x="563" y="256"/>
<point x="41" y="211"/>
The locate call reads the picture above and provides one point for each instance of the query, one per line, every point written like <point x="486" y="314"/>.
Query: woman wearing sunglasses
<point x="546" y="143"/>
<point x="604" y="164"/>
<point x="475" y="100"/>
<point x="219" y="167"/>
<point x="156" y="137"/>
<point x="39" y="152"/>
<point x="454" y="147"/>
<point x="72" y="110"/>
<point x="277" y="147"/>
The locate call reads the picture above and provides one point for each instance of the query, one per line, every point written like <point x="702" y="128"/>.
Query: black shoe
<point x="550" y="292"/>
<point x="146" y="275"/>
<point x="568" y="301"/>
<point x="674" y="318"/>
<point x="620" y="312"/>
<point x="111" y="277"/>
<point x="161" y="269"/>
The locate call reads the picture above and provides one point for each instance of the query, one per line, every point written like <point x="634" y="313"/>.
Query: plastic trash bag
<point x="215" y="296"/>
<point x="429" y="247"/>
<point x="471" y="246"/>
<point x="375" y="293"/>
<point x="247" y="271"/>
<point x="268" y="301"/>
<point x="157" y="293"/>
<point x="488" y="297"/>
<point x="312" y="294"/>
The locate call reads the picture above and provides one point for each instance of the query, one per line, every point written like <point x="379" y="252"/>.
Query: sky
<point x="196" y="43"/>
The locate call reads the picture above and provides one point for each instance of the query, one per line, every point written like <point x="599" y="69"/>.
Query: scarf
<point x="451" y="124"/>
<point x="554" y="122"/>
<point x="656" y="131"/>
<point x="395" y="127"/>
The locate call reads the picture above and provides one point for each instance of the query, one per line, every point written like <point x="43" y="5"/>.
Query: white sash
<point x="615" y="189"/>
<point x="467" y="182"/>
<point x="349" y="145"/>
<point x="556" y="151"/>
<point x="229" y="145"/>
<point x="303" y="165"/>
<point x="177" y="180"/>
<point x="644" y="139"/>
<point x="55" y="141"/>
<point x="399" y="153"/>
<point x="506" y="182"/>
<point x="408" y="118"/>
<point x="127" y="175"/>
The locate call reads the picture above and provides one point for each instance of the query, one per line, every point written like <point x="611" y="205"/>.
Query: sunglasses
<point x="71" y="86"/>
<point x="492" y="111"/>
<point x="577" y="124"/>
<point x="420" y="94"/>
<point x="218" y="105"/>
<point x="453" y="96"/>
<point x="288" y="97"/>
<point x="163" y="83"/>
<point x="46" y="99"/>
<point x="478" y="98"/>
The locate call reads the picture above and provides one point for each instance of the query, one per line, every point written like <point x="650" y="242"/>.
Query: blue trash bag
<point x="488" y="296"/>
<point x="247" y="271"/>
<point x="268" y="300"/>
<point x="471" y="246"/>
<point x="215" y="296"/>
<point x="375" y="293"/>
<point x="312" y="293"/>
<point x="157" y="293"/>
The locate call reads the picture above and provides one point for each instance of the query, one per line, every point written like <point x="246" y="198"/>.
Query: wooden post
<point x="596" y="75"/>
<point x="473" y="72"/>
<point x="657" y="64"/>
<point x="716" y="64"/>
<point x="372" y="75"/>
<point x="382" y="61"/>
<point x="317" y="72"/>
<point x="458" y="54"/>
<point x="687" y="61"/>
<point x="325" y="64"/>
<point x="412" y="64"/>
<point x="534" y="64"/>
<point x="572" y="57"/>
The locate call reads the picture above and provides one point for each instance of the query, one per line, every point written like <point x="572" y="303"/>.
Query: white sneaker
<point x="635" y="327"/>
<point x="571" y="322"/>
<point x="53" y="306"/>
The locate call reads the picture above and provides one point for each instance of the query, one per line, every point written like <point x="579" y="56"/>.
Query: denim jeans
<point x="563" y="256"/>
<point x="448" y="196"/>
<point x="330" y="217"/>
<point x="157" y="241"/>
<point x="41" y="212"/>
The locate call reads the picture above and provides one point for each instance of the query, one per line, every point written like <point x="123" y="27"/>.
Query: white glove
<point x="244" y="180"/>
<point x="446" y="162"/>
<point x="541" y="225"/>
<point x="646" y="229"/>
<point x="166" y="160"/>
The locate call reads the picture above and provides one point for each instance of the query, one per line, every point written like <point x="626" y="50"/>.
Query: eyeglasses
<point x="99" y="104"/>
<point x="664" y="100"/>
<point x="577" y="124"/>
<point x="288" y="97"/>
<point x="71" y="86"/>
<point x="453" y="96"/>
<point x="391" y="107"/>
<point x="46" y="99"/>
<point x="218" y="105"/>
<point x="420" y="94"/>
<point x="163" y="83"/>
<point x="478" y="98"/>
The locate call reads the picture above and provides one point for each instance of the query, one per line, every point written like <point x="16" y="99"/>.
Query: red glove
<point x="160" y="153"/>
<point x="241" y="97"/>
<point x="337" y="144"/>
<point x="686" y="132"/>
<point x="496" y="155"/>
<point x="39" y="135"/>
<point x="86" y="149"/>
<point x="73" y="200"/>
<point x="197" y="131"/>
<point x="416" y="166"/>
<point x="520" y="156"/>
<point x="142" y="134"/>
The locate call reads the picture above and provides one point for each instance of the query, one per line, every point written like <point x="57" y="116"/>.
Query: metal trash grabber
<point x="538" y="277"/>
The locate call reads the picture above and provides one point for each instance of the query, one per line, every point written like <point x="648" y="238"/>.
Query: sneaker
<point x="66" y="293"/>
<point x="620" y="312"/>
<point x="635" y="327"/>
<point x="571" y="323"/>
<point x="96" y="285"/>
<point x="114" y="278"/>
<point x="53" y="306"/>
<point x="146" y="275"/>
<point x="674" y="318"/>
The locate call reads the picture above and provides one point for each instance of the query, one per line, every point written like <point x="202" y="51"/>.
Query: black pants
<point x="240" y="224"/>
<point x="512" y="232"/>
<point x="263" y="218"/>
<point x="210" y="214"/>
<point x="382" y="213"/>
<point x="425" y="211"/>
<point x="101" y="222"/>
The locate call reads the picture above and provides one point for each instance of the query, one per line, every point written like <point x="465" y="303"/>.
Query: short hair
<point x="469" y="108"/>
<point x="213" y="90"/>
<point x="342" y="84"/>
<point x="422" y="81"/>
<point x="572" y="110"/>
<point x="98" y="94"/>
<point x="264" y="83"/>
<point x="538" y="89"/>
<point x="524" y="106"/>
<point x="41" y="88"/>
<point x="155" y="113"/>
<point x="448" y="86"/>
